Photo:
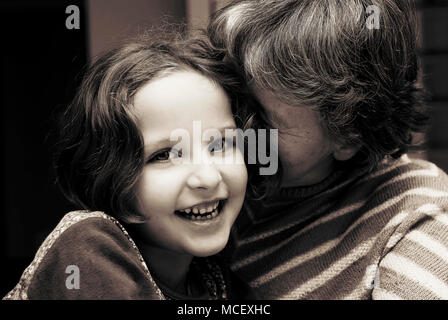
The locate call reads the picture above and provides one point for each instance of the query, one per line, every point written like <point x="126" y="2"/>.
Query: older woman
<point x="348" y="215"/>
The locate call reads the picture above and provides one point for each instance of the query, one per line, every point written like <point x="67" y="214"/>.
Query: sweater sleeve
<point x="415" y="264"/>
<point x="92" y="259"/>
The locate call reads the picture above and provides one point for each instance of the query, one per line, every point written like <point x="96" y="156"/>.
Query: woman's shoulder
<point x="415" y="171"/>
<point x="89" y="255"/>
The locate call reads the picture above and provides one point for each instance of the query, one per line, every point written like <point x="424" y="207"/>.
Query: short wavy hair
<point x="363" y="81"/>
<point x="99" y="154"/>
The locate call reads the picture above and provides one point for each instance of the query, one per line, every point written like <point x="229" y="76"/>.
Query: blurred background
<point x="41" y="65"/>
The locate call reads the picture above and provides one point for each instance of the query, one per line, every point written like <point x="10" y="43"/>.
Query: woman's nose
<point x="204" y="177"/>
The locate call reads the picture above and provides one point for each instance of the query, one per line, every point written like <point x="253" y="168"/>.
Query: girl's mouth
<point x="201" y="212"/>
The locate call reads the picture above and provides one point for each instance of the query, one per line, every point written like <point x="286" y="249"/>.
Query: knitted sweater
<point x="89" y="255"/>
<point x="356" y="235"/>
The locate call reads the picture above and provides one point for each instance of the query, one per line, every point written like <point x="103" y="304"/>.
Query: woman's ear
<point x="343" y="152"/>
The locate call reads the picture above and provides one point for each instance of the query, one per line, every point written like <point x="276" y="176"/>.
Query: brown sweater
<point x="90" y="255"/>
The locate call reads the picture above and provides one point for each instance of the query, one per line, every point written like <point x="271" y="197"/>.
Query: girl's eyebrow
<point x="162" y="143"/>
<point x="224" y="128"/>
<point x="155" y="146"/>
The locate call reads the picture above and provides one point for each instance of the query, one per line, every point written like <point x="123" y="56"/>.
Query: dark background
<point x="41" y="65"/>
<point x="40" y="61"/>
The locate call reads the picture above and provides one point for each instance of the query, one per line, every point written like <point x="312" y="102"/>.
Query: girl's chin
<point x="207" y="249"/>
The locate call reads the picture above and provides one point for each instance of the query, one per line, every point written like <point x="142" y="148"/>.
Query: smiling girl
<point x="151" y="216"/>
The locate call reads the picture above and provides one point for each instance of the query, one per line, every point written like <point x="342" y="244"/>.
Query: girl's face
<point x="189" y="199"/>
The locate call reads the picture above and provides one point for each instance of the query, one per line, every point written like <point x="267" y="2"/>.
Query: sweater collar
<point x="342" y="173"/>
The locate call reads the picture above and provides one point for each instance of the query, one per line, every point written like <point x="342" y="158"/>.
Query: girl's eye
<point x="166" y="155"/>
<point x="221" y="145"/>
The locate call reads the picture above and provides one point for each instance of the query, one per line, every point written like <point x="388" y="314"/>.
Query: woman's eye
<point x="166" y="155"/>
<point x="221" y="144"/>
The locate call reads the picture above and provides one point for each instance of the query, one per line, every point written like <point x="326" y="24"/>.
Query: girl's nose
<point x="204" y="177"/>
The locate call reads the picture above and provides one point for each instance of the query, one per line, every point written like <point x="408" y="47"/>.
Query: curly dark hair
<point x="99" y="156"/>
<point x="363" y="81"/>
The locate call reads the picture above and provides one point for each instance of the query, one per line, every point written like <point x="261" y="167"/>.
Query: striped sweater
<point x="356" y="235"/>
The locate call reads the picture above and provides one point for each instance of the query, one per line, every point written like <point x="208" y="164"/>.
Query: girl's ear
<point x="343" y="152"/>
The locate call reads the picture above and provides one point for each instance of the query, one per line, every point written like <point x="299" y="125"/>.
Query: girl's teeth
<point x="203" y="216"/>
<point x="201" y="212"/>
<point x="201" y="209"/>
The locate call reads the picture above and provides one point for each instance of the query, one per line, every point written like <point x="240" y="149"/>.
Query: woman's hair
<point x="99" y="154"/>
<point x="324" y="55"/>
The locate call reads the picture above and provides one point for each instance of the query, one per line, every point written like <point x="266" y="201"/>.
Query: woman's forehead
<point x="282" y="115"/>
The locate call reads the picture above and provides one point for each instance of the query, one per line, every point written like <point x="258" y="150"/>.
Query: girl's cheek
<point x="235" y="177"/>
<point x="242" y="166"/>
<point x="157" y="184"/>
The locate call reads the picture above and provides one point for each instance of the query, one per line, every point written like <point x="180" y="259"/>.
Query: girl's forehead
<point x="176" y="91"/>
<point x="180" y="100"/>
